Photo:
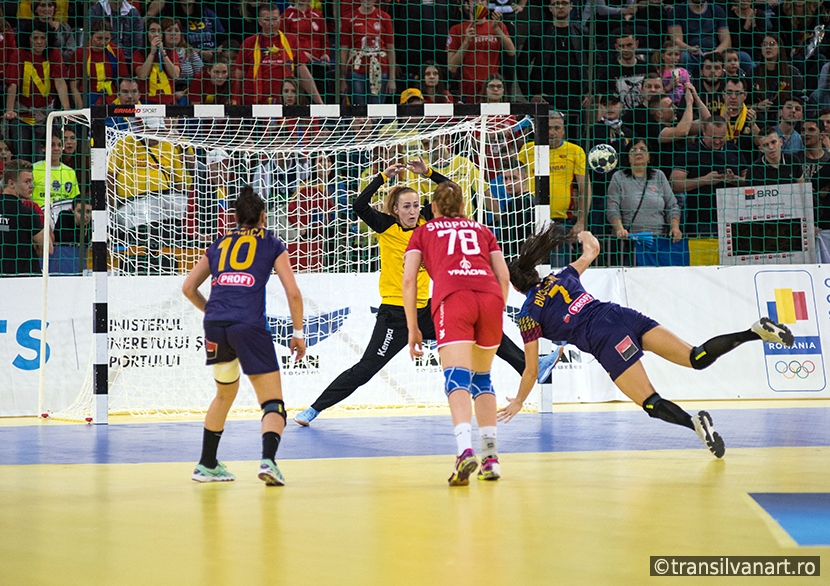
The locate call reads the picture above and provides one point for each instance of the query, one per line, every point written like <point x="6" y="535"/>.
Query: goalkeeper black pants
<point x="389" y="337"/>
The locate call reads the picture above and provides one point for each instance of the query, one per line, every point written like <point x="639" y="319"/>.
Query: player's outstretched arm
<point x="590" y="250"/>
<point x="529" y="375"/>
<point x="194" y="280"/>
<point x="295" y="302"/>
<point x="411" y="264"/>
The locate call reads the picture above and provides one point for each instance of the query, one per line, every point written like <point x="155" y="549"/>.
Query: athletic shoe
<point x="490" y="469"/>
<point x="465" y="464"/>
<point x="306" y="416"/>
<point x="707" y="433"/>
<point x="218" y="474"/>
<point x="548" y="362"/>
<point x="270" y="473"/>
<point x="773" y="332"/>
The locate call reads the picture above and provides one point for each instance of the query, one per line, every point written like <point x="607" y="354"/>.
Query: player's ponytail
<point x="535" y="251"/>
<point x="249" y="207"/>
<point x="449" y="199"/>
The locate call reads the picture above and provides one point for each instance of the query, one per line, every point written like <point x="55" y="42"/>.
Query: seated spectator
<point x="189" y="61"/>
<point x="433" y="89"/>
<point x="200" y="23"/>
<point x="518" y="213"/>
<point x="774" y="167"/>
<point x="559" y="69"/>
<point x="34" y="77"/>
<point x="309" y="26"/>
<point x="638" y="115"/>
<point x="25" y="10"/>
<point x="474" y="48"/>
<point x="712" y="84"/>
<point x="6" y="154"/>
<point x="741" y="127"/>
<point x="774" y="78"/>
<point x="7" y="45"/>
<point x="674" y="77"/>
<point x="567" y="166"/>
<point x="310" y="211"/>
<point x="125" y="22"/>
<point x="789" y="117"/>
<point x="63" y="37"/>
<point x="147" y="181"/>
<point x="625" y="75"/>
<point x="710" y="163"/>
<point x="22" y="228"/>
<point x="72" y="225"/>
<point x="64" y="182"/>
<point x="802" y="26"/>
<point x="640" y="198"/>
<point x="732" y="65"/>
<point x="156" y="68"/>
<point x="817" y="172"/>
<point x="698" y="27"/>
<point x="367" y="55"/>
<point x="103" y="64"/>
<point x="666" y="133"/>
<point x="747" y="22"/>
<point x="128" y="95"/>
<point x="608" y="126"/>
<point x="266" y="59"/>
<point x="211" y="85"/>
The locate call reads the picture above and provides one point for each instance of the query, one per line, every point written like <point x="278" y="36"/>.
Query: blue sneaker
<point x="306" y="416"/>
<point x="270" y="473"/>
<point x="218" y="474"/>
<point x="548" y="362"/>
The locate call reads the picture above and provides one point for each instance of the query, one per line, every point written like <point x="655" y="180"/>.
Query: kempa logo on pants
<point x="390" y="333"/>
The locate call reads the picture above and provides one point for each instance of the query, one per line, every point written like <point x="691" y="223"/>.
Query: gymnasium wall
<point x="156" y="353"/>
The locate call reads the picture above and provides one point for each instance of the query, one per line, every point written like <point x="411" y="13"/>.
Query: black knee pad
<point x="700" y="358"/>
<point x="659" y="408"/>
<point x="274" y="406"/>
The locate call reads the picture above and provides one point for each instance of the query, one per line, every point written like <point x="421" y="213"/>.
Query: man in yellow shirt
<point x="64" y="182"/>
<point x="567" y="165"/>
<point x="147" y="181"/>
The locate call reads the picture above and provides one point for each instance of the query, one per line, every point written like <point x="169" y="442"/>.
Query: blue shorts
<point x="252" y="345"/>
<point x="616" y="338"/>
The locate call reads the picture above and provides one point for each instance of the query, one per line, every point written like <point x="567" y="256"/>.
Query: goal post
<point x="214" y="149"/>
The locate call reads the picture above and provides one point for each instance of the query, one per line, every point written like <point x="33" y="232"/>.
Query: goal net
<point x="171" y="185"/>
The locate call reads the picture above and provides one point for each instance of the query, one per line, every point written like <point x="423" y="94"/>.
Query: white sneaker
<point x="548" y="362"/>
<point x="707" y="433"/>
<point x="773" y="332"/>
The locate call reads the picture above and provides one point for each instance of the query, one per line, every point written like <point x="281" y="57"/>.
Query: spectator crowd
<point x="695" y="95"/>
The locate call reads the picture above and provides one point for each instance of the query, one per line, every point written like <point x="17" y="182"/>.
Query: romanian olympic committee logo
<point x="794" y="368"/>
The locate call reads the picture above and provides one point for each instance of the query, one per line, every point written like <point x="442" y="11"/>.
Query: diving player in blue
<point x="236" y="333"/>
<point x="558" y="308"/>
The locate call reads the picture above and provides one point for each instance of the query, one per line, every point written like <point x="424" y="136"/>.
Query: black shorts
<point x="252" y="345"/>
<point x="616" y="339"/>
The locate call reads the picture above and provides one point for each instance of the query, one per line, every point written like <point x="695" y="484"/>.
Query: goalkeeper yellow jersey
<point x="566" y="162"/>
<point x="393" y="242"/>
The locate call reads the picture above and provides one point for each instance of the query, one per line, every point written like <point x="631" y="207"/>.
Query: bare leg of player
<point x="209" y="469"/>
<point x="457" y="362"/>
<point x="485" y="406"/>
<point x="268" y="387"/>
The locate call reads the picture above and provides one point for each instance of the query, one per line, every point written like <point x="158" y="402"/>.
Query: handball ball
<point x="602" y="158"/>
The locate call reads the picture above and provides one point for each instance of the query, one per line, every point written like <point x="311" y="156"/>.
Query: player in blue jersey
<point x="558" y="308"/>
<point x="236" y="333"/>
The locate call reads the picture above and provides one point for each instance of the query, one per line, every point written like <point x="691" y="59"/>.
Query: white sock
<point x="488" y="442"/>
<point x="464" y="437"/>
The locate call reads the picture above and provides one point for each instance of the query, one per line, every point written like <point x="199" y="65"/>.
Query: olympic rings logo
<point x="794" y="368"/>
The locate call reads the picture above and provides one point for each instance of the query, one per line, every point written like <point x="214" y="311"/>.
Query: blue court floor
<point x="586" y="497"/>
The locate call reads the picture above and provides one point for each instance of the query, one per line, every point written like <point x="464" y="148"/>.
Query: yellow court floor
<point x="590" y="518"/>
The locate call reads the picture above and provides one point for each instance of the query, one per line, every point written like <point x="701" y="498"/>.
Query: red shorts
<point x="469" y="316"/>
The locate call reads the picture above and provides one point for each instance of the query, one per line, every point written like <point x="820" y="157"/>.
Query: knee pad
<point x="226" y="373"/>
<point x="481" y="384"/>
<point x="700" y="358"/>
<point x="455" y="378"/>
<point x="274" y="406"/>
<point x="660" y="408"/>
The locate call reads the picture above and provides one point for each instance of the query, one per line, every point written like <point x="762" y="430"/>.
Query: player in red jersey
<point x="266" y="59"/>
<point x="470" y="280"/>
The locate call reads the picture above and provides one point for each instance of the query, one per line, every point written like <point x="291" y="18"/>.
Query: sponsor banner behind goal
<point x="156" y="344"/>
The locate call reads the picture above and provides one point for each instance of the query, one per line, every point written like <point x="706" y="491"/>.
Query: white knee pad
<point x="226" y="372"/>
